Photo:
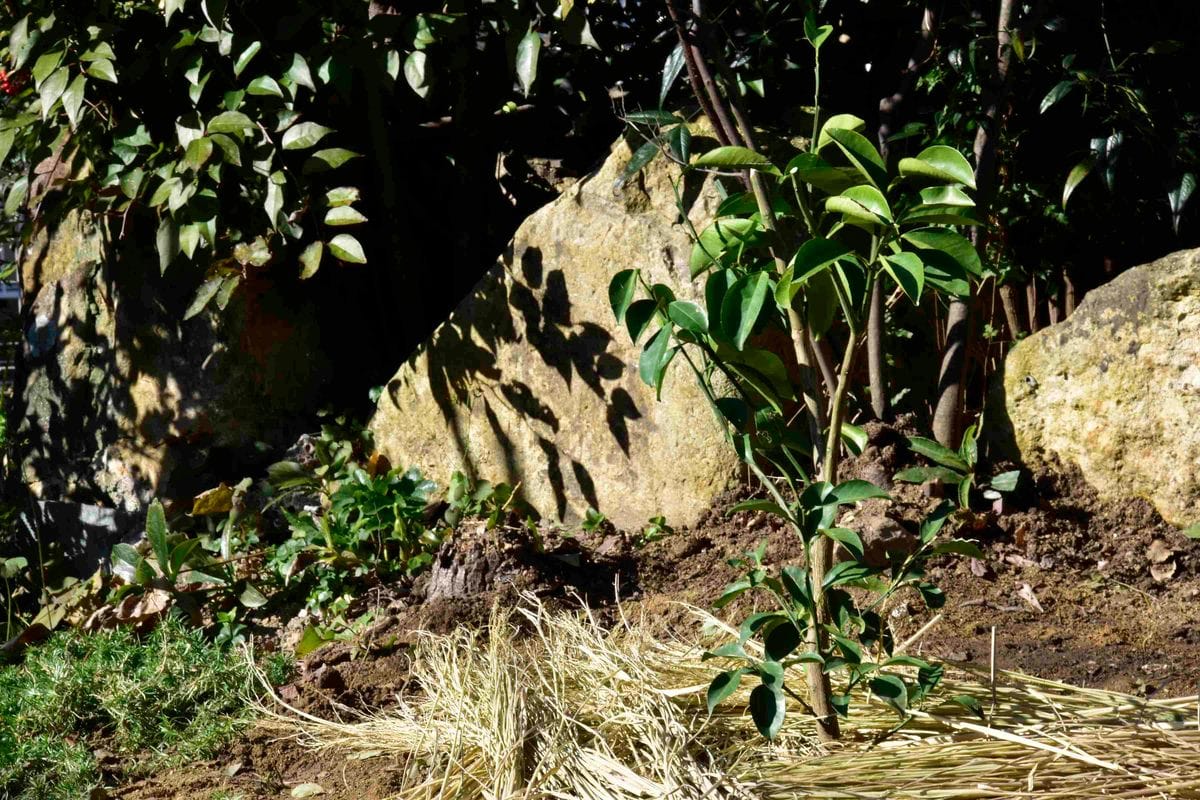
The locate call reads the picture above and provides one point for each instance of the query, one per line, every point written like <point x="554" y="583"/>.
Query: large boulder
<point x="530" y="381"/>
<point x="1115" y="389"/>
<point x="120" y="400"/>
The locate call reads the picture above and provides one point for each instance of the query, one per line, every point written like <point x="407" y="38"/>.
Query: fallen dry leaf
<point x="1163" y="572"/>
<point x="308" y="790"/>
<point x="1025" y="592"/>
<point x="1158" y="552"/>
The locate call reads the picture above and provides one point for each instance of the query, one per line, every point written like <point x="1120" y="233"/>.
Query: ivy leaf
<point x="346" y="248"/>
<point x="527" y="60"/>
<point x="304" y="135"/>
<point x="310" y="260"/>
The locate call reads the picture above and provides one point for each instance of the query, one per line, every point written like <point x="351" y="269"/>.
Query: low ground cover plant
<point x="167" y="698"/>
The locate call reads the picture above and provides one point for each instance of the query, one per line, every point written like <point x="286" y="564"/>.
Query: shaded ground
<point x="1094" y="593"/>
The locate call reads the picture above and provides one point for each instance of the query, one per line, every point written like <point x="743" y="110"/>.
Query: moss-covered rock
<point x="1115" y="389"/>
<point x="530" y="381"/>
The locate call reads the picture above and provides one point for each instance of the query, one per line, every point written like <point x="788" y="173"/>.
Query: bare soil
<point x="1096" y="593"/>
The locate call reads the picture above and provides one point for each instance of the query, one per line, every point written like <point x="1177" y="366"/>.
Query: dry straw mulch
<point x="578" y="710"/>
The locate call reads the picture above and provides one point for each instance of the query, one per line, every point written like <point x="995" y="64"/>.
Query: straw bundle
<point x="576" y="710"/>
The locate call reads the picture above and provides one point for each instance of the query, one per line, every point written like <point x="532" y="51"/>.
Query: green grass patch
<point x="167" y="698"/>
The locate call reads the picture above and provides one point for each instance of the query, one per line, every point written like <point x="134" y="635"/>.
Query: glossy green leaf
<point x="722" y="687"/>
<point x="890" y="690"/>
<point x="198" y="152"/>
<point x="1006" y="481"/>
<point x="816" y="35"/>
<point x="945" y="196"/>
<point x="621" y="290"/>
<point x="189" y="238"/>
<point x="655" y="357"/>
<point x="45" y="66"/>
<point x="781" y="641"/>
<point x="741" y="307"/>
<point x="764" y="506"/>
<point x="816" y="171"/>
<point x="735" y="158"/>
<point x="304" y="135"/>
<point x="848" y="539"/>
<point x="767" y="710"/>
<point x="960" y="547"/>
<point x="1076" y="176"/>
<point x="1177" y="198"/>
<point x="861" y="153"/>
<point x="855" y="490"/>
<point x="846" y="572"/>
<point x="722" y="235"/>
<point x="688" y="316"/>
<point x="638" y="317"/>
<point x="1056" y="93"/>
<point x="230" y="152"/>
<point x="940" y="164"/>
<point x="527" y="60"/>
<point x="251" y="597"/>
<point x="102" y="69"/>
<point x="679" y="141"/>
<point x="847" y="122"/>
<point x="938" y="453"/>
<point x="908" y="271"/>
<point x="345" y="247"/>
<point x="953" y="246"/>
<point x="157" y="532"/>
<point x="925" y="474"/>
<point x="641" y="157"/>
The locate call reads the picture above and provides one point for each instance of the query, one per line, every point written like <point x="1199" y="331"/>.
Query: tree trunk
<point x="1031" y="302"/>
<point x="948" y="410"/>
<point x="1012" y="301"/>
<point x="875" y="359"/>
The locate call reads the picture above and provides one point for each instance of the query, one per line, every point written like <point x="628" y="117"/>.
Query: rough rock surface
<point x="1115" y="389"/>
<point x="120" y="400"/>
<point x="530" y="381"/>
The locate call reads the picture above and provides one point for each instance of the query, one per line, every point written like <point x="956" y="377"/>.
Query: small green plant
<point x="957" y="468"/>
<point x="231" y="631"/>
<point x="168" y="698"/>
<point x="178" y="565"/>
<point x="656" y="528"/>
<point x="372" y="524"/>
<point x="593" y="520"/>
<point x="802" y="252"/>
<point x="493" y="502"/>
